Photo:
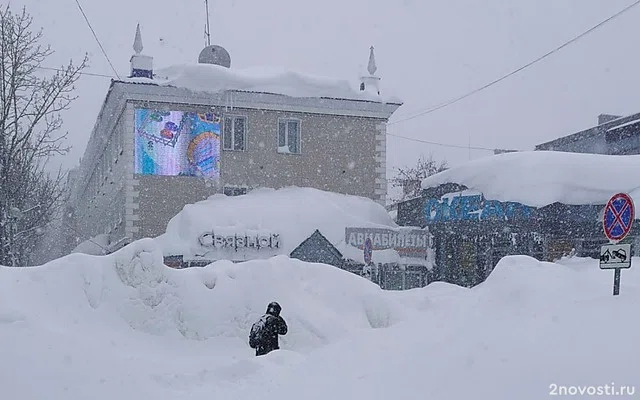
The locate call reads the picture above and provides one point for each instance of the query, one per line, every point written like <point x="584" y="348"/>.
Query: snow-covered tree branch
<point x="410" y="178"/>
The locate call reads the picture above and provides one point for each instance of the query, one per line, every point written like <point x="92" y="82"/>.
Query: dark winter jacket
<point x="269" y="326"/>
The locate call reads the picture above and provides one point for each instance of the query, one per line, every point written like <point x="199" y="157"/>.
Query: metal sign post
<point x="368" y="250"/>
<point x="367" y="271"/>
<point x="617" y="219"/>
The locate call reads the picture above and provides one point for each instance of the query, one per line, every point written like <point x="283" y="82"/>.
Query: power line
<point x="443" y="144"/>
<point x="96" y="37"/>
<point x="388" y="134"/>
<point x="81" y="73"/>
<point x="575" y="39"/>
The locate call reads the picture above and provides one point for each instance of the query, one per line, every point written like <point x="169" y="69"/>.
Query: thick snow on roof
<point x="214" y="78"/>
<point x="292" y="213"/>
<point x="540" y="178"/>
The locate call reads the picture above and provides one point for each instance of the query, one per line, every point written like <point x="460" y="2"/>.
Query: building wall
<point x="338" y="153"/>
<point x="159" y="198"/>
<point x="614" y="135"/>
<point x="98" y="203"/>
<point x="624" y="140"/>
<point x="592" y="143"/>
<point x="343" y="150"/>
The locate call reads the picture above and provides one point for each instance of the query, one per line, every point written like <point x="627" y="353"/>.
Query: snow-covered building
<point x="544" y="204"/>
<point x="613" y="135"/>
<point x="178" y="135"/>
<point x="303" y="223"/>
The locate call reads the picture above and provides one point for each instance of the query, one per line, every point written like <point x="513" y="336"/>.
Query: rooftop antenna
<point x="207" y="31"/>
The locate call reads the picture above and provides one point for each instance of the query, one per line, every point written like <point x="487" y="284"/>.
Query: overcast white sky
<point x="427" y="52"/>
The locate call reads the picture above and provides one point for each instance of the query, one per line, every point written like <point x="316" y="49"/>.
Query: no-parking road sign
<point x="618" y="217"/>
<point x="617" y="220"/>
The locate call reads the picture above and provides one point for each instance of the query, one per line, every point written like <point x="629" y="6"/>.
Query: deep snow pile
<point x="530" y="326"/>
<point x="293" y="213"/>
<point x="134" y="287"/>
<point x="214" y="78"/>
<point x="124" y="326"/>
<point x="540" y="178"/>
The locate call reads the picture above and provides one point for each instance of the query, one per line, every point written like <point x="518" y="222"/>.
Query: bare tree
<point x="31" y="100"/>
<point x="409" y="179"/>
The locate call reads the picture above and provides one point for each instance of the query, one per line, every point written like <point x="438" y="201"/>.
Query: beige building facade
<point x="129" y="184"/>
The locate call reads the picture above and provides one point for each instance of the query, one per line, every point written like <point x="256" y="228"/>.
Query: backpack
<point x="255" y="336"/>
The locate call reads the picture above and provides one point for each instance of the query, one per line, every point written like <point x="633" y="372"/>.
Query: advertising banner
<point x="414" y="242"/>
<point x="177" y="143"/>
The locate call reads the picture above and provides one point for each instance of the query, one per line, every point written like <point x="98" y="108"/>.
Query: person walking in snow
<point x="264" y="333"/>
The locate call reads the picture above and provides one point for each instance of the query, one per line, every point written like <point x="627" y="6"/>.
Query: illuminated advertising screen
<point x="177" y="143"/>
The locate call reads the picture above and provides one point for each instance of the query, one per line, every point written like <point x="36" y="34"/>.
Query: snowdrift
<point x="125" y="326"/>
<point x="132" y="288"/>
<point x="540" y="178"/>
<point x="294" y="213"/>
<point x="529" y="327"/>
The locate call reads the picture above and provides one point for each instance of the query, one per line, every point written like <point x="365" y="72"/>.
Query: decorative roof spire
<point x="372" y="62"/>
<point x="137" y="42"/>
<point x="141" y="65"/>
<point x="371" y="83"/>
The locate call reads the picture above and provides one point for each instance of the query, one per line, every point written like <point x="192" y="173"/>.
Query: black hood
<point x="274" y="309"/>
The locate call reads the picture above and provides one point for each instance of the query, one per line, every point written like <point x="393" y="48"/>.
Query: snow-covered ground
<point x="124" y="326"/>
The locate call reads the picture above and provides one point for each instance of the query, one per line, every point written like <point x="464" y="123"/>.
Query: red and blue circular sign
<point x="368" y="250"/>
<point x="619" y="214"/>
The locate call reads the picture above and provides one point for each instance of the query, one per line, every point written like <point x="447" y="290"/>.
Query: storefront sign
<point x="254" y="241"/>
<point x="415" y="240"/>
<point x="473" y="208"/>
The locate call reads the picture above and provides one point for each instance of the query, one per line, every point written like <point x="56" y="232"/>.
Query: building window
<point x="234" y="191"/>
<point x="235" y="132"/>
<point x="289" y="136"/>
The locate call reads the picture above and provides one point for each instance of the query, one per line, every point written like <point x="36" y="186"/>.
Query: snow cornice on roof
<point x="541" y="178"/>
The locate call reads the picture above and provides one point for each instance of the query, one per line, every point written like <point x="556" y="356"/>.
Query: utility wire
<point x="81" y="73"/>
<point x="444" y="144"/>
<point x="388" y="134"/>
<point x="96" y="37"/>
<point x="575" y="39"/>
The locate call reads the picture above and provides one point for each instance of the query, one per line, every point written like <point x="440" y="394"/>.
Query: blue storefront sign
<point x="473" y="208"/>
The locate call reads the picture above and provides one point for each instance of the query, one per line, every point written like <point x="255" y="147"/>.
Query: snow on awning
<point x="541" y="178"/>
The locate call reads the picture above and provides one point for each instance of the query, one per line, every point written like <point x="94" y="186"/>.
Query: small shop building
<point x="349" y="232"/>
<point x="546" y="205"/>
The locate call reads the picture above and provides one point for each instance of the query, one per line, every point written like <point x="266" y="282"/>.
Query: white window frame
<point x="233" y="118"/>
<point x="286" y="135"/>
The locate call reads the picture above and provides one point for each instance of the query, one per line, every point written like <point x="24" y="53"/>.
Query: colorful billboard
<point x="177" y="143"/>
